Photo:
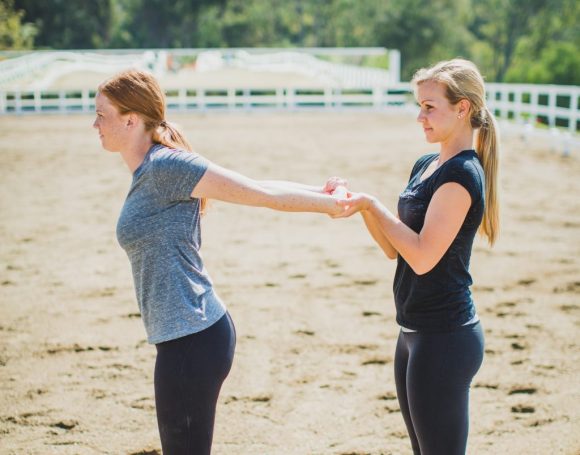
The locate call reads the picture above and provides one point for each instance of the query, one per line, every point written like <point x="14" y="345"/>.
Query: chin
<point x="430" y="138"/>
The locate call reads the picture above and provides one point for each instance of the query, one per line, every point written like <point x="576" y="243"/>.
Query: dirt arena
<point x="311" y="296"/>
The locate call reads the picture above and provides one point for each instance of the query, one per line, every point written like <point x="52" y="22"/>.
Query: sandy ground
<point x="311" y="297"/>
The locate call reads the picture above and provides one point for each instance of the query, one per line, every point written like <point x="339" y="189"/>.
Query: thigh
<point x="189" y="373"/>
<point x="440" y="371"/>
<point x="401" y="364"/>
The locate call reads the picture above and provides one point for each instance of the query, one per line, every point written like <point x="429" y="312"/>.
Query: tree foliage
<point x="13" y="33"/>
<point x="511" y="40"/>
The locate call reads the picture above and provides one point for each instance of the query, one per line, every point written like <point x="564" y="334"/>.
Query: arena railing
<point x="543" y="106"/>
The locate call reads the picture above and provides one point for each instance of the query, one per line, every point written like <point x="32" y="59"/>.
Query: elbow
<point x="421" y="267"/>
<point x="391" y="254"/>
<point x="264" y="196"/>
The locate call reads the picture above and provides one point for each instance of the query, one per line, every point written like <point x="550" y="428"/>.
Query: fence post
<point x="552" y="96"/>
<point x="37" y="101"/>
<point x="201" y="99"/>
<point x="328" y="97"/>
<point x="61" y="102"/>
<point x="231" y="98"/>
<point x="280" y="98"/>
<point x="377" y="98"/>
<point x="290" y="98"/>
<point x="573" y="119"/>
<point x="85" y="100"/>
<point x="518" y="107"/>
<point x="505" y="98"/>
<point x="182" y="96"/>
<point x="18" y="101"/>
<point x="534" y="97"/>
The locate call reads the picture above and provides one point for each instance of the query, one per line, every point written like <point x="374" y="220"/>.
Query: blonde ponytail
<point x="487" y="147"/>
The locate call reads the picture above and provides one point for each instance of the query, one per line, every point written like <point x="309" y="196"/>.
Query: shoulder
<point x="466" y="164"/>
<point x="466" y="170"/>
<point x="163" y="155"/>
<point x="167" y="159"/>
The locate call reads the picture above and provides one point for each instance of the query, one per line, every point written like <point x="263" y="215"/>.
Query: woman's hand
<point x="332" y="183"/>
<point x="356" y="202"/>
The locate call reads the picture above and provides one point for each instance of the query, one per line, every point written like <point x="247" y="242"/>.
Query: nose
<point x="95" y="124"/>
<point x="420" y="116"/>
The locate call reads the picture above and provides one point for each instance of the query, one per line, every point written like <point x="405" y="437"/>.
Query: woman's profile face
<point x="112" y="126"/>
<point x="437" y="116"/>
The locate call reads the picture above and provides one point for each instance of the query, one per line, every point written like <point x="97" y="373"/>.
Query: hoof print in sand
<point x="523" y="409"/>
<point x="527" y="390"/>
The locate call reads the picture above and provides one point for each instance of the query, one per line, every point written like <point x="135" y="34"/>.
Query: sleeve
<point x="463" y="173"/>
<point x="176" y="172"/>
<point x="420" y="163"/>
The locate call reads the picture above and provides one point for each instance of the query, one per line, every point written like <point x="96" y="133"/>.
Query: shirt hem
<point x="207" y="324"/>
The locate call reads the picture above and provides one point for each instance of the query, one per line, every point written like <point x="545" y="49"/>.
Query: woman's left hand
<point x="356" y="202"/>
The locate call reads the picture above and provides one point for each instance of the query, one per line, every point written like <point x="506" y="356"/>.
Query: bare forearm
<point x="378" y="235"/>
<point x="402" y="239"/>
<point x="298" y="200"/>
<point x="277" y="184"/>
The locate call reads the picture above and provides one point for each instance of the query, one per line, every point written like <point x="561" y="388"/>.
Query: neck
<point x="456" y="144"/>
<point x="134" y="154"/>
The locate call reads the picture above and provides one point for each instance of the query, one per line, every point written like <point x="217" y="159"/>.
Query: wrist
<point x="371" y="203"/>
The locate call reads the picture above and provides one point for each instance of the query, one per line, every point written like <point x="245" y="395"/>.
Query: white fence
<point x="23" y="102"/>
<point x="551" y="105"/>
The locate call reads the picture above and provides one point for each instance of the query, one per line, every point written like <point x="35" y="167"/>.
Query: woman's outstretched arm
<point x="277" y="184"/>
<point x="229" y="186"/>
<point x="423" y="250"/>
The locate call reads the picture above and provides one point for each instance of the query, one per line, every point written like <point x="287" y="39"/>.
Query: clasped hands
<point x="350" y="202"/>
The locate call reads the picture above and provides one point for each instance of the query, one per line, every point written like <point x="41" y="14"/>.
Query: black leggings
<point x="189" y="373"/>
<point x="433" y="372"/>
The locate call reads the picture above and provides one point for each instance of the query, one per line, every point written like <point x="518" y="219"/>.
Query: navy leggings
<point x="189" y="373"/>
<point x="433" y="372"/>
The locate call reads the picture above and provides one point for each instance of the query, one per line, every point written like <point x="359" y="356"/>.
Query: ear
<point x="132" y="120"/>
<point x="464" y="107"/>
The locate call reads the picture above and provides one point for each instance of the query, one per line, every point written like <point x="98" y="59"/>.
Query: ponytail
<point x="487" y="149"/>
<point x="169" y="135"/>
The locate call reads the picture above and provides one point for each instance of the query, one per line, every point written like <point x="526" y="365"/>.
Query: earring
<point x="459" y="116"/>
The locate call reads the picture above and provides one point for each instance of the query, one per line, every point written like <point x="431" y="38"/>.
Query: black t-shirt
<point x="440" y="299"/>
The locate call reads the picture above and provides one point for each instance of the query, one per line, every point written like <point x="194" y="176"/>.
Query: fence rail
<point x="551" y="105"/>
<point x="200" y="99"/>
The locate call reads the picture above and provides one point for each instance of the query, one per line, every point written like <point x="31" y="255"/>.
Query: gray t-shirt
<point x="159" y="228"/>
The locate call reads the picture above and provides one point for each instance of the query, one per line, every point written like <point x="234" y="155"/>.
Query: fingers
<point x="348" y="211"/>
<point x="340" y="192"/>
<point x="332" y="183"/>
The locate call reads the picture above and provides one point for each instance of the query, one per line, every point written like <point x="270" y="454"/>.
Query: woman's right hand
<point x="332" y="183"/>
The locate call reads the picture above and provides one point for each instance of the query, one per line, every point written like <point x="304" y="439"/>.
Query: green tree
<point x="424" y="31"/>
<point x="500" y="25"/>
<point x="164" y="24"/>
<point x="550" y="53"/>
<point x="14" y="35"/>
<point x="69" y="24"/>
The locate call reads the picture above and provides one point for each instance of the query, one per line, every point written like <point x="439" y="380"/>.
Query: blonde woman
<point x="449" y="197"/>
<point x="159" y="228"/>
